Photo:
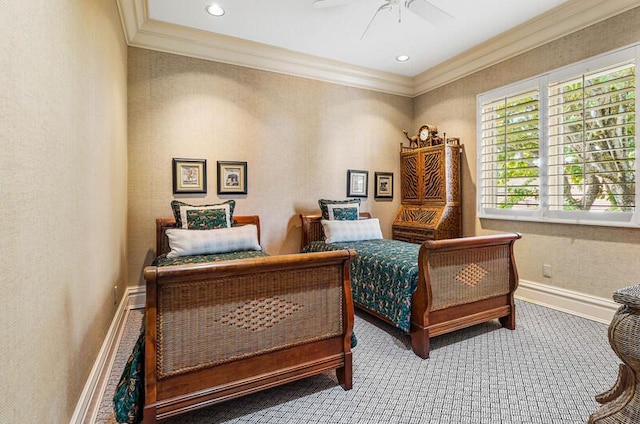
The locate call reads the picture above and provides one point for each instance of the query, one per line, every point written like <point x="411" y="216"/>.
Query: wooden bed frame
<point x="220" y="330"/>
<point x="441" y="303"/>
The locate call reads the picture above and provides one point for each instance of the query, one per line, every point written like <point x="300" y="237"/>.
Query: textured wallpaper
<point x="298" y="136"/>
<point x="63" y="170"/>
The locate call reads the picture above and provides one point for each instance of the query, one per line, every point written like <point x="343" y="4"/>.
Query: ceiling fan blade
<point x="386" y="6"/>
<point x="428" y="11"/>
<point x="322" y="4"/>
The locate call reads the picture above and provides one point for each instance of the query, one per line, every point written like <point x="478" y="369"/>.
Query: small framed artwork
<point x="357" y="183"/>
<point x="232" y="177"/>
<point x="384" y="185"/>
<point x="189" y="176"/>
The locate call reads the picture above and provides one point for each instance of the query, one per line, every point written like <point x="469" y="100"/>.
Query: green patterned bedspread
<point x="162" y="260"/>
<point x="384" y="276"/>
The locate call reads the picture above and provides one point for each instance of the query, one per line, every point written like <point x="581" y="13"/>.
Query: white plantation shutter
<point x="509" y="154"/>
<point x="591" y="141"/>
<point x="561" y="147"/>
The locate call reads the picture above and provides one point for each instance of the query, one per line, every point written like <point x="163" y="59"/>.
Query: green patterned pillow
<point x="203" y="217"/>
<point x="128" y="401"/>
<point x="343" y="213"/>
<point x="343" y="210"/>
<point x="206" y="219"/>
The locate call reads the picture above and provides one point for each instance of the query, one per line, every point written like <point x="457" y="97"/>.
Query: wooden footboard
<point x="462" y="282"/>
<point x="221" y="330"/>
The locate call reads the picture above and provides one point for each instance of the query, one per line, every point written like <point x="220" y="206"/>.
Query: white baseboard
<point x="87" y="406"/>
<point x="583" y="305"/>
<point x="137" y="296"/>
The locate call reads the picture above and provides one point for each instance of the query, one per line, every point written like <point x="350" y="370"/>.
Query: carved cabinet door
<point x="410" y="177"/>
<point x="422" y="174"/>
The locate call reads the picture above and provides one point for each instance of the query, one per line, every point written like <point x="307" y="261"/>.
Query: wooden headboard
<point x="312" y="227"/>
<point x="163" y="224"/>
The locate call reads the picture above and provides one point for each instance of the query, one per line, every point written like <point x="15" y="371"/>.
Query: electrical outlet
<point x="546" y="270"/>
<point x="115" y="295"/>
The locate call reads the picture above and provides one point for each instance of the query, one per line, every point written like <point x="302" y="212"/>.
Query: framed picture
<point x="357" y="183"/>
<point x="189" y="176"/>
<point x="232" y="177"/>
<point x="384" y="185"/>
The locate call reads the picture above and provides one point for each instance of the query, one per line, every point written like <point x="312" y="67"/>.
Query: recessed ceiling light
<point x="402" y="58"/>
<point x="215" y="10"/>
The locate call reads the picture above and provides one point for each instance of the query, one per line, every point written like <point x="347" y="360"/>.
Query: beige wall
<point x="63" y="184"/>
<point x="587" y="259"/>
<point x="298" y="136"/>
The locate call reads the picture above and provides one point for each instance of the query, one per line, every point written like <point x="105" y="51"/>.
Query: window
<point x="561" y="147"/>
<point x="511" y="151"/>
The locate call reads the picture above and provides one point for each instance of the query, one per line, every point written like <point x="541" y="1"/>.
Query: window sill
<point x="627" y="222"/>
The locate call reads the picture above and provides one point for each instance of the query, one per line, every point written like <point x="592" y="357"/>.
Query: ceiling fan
<point x="422" y="8"/>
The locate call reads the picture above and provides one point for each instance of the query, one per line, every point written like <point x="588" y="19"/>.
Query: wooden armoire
<point x="430" y="190"/>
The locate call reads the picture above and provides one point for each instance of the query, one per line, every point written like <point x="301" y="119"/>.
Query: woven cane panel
<point x="259" y="314"/>
<point x="629" y="296"/>
<point x="625" y="336"/>
<point x="409" y="177"/>
<point x="464" y="276"/>
<point x="471" y="274"/>
<point x="316" y="232"/>
<point x="433" y="176"/>
<point x="202" y="323"/>
<point x="165" y="248"/>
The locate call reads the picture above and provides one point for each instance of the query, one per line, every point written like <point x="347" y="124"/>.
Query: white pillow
<point x="200" y="242"/>
<point x="363" y="229"/>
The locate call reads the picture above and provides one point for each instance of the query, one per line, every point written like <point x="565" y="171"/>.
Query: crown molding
<point x="563" y="20"/>
<point x="142" y="31"/>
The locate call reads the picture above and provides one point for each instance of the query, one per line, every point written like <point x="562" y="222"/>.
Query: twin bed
<point x="226" y="325"/>
<point x="223" y="326"/>
<point x="429" y="289"/>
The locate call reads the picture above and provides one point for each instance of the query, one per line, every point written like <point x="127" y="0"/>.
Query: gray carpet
<point x="546" y="371"/>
